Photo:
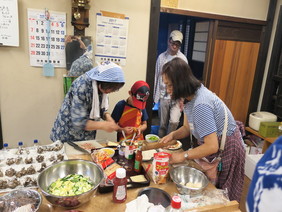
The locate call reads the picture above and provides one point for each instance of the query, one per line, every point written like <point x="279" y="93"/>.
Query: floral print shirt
<point x="74" y="113"/>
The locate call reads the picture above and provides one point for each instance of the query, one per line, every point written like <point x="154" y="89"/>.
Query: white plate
<point x="177" y="146"/>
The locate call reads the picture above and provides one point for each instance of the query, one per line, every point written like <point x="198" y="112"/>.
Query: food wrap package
<point x="160" y="167"/>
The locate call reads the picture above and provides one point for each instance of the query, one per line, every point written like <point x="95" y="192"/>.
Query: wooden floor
<point x="242" y="205"/>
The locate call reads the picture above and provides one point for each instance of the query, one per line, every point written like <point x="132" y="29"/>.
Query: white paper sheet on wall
<point x="38" y="39"/>
<point x="9" y="23"/>
<point x="111" y="39"/>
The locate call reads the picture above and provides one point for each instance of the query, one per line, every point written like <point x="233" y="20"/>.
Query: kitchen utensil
<point x="74" y="145"/>
<point x="123" y="134"/>
<point x="20" y="198"/>
<point x="257" y="117"/>
<point x="48" y="68"/>
<point x="132" y="138"/>
<point x="156" y="196"/>
<point x="64" y="168"/>
<point x="189" y="180"/>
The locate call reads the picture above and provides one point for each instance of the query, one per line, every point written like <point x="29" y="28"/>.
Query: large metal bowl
<point x="182" y="175"/>
<point x="64" y="168"/>
<point x="20" y="198"/>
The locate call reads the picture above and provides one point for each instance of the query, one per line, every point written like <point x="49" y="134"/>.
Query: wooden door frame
<point x="273" y="65"/>
<point x="153" y="41"/>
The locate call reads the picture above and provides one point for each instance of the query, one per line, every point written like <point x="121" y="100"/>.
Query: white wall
<point x="29" y="101"/>
<point x="252" y="9"/>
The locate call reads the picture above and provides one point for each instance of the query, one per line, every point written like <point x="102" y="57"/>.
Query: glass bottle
<point x="120" y="190"/>
<point x="175" y="205"/>
<point x="138" y="159"/>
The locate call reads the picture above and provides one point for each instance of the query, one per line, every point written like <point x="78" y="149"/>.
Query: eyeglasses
<point x="175" y="43"/>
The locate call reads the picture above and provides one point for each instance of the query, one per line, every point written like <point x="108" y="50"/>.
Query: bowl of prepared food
<point x="20" y="200"/>
<point x="189" y="180"/>
<point x="109" y="151"/>
<point x="70" y="183"/>
<point x="152" y="138"/>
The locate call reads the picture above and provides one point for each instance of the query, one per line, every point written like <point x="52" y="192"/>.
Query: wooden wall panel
<point x="233" y="69"/>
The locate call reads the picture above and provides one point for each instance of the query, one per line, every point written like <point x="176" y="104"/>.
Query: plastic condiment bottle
<point x="35" y="142"/>
<point x="138" y="160"/>
<point x="5" y="147"/>
<point x="120" y="181"/>
<point x="20" y="145"/>
<point x="175" y="205"/>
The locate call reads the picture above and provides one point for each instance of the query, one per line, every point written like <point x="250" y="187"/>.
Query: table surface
<point x="103" y="202"/>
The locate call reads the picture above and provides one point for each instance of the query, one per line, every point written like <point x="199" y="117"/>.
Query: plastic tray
<point x="128" y="165"/>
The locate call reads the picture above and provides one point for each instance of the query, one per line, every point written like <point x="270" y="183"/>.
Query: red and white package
<point x="160" y="167"/>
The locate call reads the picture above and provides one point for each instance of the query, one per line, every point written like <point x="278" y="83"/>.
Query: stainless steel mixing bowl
<point x="182" y="175"/>
<point x="64" y="168"/>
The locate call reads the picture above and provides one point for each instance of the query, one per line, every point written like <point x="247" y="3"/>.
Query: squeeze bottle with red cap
<point x="175" y="205"/>
<point x="120" y="181"/>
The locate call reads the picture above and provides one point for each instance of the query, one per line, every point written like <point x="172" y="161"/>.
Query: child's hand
<point x="128" y="130"/>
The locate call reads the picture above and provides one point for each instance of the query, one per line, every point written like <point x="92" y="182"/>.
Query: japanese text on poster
<point x="111" y="39"/>
<point x="38" y="38"/>
<point x="9" y="23"/>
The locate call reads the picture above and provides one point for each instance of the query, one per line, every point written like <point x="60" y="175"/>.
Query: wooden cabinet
<point x="231" y="64"/>
<point x="232" y="74"/>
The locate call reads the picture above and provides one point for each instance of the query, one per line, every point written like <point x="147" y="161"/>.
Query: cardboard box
<point x="270" y="129"/>
<point x="169" y="3"/>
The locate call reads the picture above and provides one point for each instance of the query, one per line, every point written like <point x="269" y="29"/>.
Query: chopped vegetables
<point x="71" y="185"/>
<point x="153" y="138"/>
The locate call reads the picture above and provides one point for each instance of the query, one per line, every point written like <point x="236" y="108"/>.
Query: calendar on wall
<point x="111" y="39"/>
<point x="39" y="47"/>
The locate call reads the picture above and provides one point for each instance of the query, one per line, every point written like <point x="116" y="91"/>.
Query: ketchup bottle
<point x="138" y="160"/>
<point x="120" y="181"/>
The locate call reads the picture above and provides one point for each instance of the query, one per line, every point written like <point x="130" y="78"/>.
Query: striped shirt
<point x="159" y="87"/>
<point x="205" y="114"/>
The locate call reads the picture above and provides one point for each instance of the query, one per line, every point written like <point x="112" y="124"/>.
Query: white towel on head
<point x="95" y="111"/>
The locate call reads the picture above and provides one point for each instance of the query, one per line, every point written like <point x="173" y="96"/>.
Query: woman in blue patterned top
<point x="86" y="103"/>
<point x="204" y="119"/>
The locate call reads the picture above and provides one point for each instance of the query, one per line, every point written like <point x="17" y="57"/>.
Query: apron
<point x="131" y="117"/>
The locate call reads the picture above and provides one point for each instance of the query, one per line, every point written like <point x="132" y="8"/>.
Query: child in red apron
<point x="131" y="114"/>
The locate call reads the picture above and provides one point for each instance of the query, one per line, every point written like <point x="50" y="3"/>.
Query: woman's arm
<point x="209" y="147"/>
<point x="108" y="126"/>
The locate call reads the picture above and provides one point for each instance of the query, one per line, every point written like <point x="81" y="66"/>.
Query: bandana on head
<point x="107" y="72"/>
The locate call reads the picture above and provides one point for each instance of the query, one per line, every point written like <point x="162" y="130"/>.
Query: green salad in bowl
<point x="72" y="184"/>
<point x="152" y="138"/>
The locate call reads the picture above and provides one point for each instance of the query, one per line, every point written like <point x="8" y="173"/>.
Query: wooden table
<point x="103" y="202"/>
<point x="267" y="141"/>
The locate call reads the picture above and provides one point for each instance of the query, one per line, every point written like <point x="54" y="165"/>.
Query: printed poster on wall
<point x="111" y="39"/>
<point x="9" y="23"/>
<point x="39" y="48"/>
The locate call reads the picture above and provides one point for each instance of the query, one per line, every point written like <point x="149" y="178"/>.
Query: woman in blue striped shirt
<point x="204" y="119"/>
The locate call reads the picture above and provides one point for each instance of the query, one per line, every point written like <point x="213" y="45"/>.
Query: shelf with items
<point x="266" y="140"/>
